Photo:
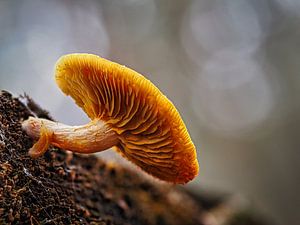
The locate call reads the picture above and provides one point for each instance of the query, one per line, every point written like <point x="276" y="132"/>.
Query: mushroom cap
<point x="150" y="130"/>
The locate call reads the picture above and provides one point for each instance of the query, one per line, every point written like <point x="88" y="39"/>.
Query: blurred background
<point x="230" y="67"/>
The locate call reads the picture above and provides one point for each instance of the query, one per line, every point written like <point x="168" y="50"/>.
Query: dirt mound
<point x="66" y="188"/>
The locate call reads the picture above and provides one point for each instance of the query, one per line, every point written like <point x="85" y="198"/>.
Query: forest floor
<point x="65" y="188"/>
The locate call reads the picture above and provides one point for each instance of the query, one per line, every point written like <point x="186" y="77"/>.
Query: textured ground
<point x="64" y="188"/>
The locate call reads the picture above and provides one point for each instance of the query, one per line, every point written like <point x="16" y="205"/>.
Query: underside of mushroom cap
<point x="151" y="132"/>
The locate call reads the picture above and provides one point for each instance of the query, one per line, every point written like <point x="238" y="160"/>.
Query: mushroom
<point x="127" y="112"/>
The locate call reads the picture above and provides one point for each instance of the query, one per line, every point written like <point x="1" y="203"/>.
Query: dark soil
<point x="66" y="188"/>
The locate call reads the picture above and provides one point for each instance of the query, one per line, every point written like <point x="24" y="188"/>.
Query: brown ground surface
<point x="64" y="188"/>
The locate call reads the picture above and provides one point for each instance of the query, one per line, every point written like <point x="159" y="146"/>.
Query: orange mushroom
<point x="127" y="111"/>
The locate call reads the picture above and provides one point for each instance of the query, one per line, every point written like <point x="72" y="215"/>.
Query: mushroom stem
<point x="93" y="137"/>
